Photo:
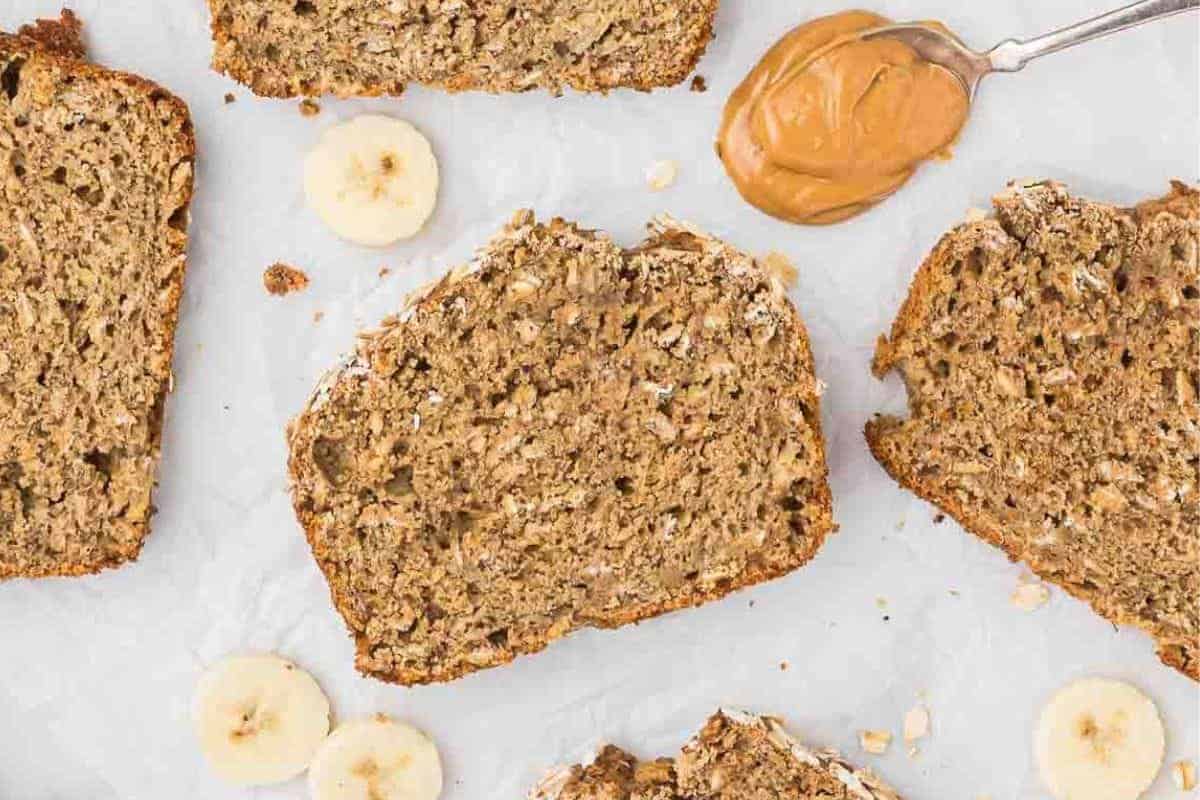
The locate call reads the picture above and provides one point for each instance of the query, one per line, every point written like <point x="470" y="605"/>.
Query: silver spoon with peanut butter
<point x="842" y="111"/>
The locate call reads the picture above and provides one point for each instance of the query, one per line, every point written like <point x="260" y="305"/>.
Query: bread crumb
<point x="309" y="107"/>
<point x="384" y="272"/>
<point x="661" y="175"/>
<point x="875" y="742"/>
<point x="230" y="98"/>
<point x="1029" y="594"/>
<point x="938" y="519"/>
<point x="916" y="724"/>
<point x="1184" y="775"/>
<point x="783" y="665"/>
<point x="699" y="84"/>
<point x="318" y="316"/>
<point x="280" y="279"/>
<point x="881" y="602"/>
<point x="781" y="267"/>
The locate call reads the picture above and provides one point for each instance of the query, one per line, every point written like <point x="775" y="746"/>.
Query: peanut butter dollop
<point x="828" y="123"/>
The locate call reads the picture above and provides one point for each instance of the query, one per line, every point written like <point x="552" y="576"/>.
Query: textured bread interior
<point x="95" y="179"/>
<point x="617" y="775"/>
<point x="561" y="434"/>
<point x="1051" y="356"/>
<point x="734" y="757"/>
<point x="284" y="48"/>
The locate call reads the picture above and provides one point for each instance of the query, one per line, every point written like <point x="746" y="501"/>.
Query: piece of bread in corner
<point x="95" y="180"/>
<point x="736" y="756"/>
<point x="282" y="48"/>
<point x="561" y="434"/>
<point x="1051" y="355"/>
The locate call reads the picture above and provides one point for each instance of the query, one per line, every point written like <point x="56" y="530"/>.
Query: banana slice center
<point x="373" y="180"/>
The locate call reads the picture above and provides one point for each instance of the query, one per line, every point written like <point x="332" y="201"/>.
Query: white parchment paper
<point x="96" y="674"/>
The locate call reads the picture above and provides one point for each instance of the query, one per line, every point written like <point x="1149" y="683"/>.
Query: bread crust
<point x="1182" y="202"/>
<point x="299" y="430"/>
<point x="249" y="72"/>
<point x="748" y="754"/>
<point x="59" y="43"/>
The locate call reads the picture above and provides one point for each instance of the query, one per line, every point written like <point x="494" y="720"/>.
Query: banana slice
<point x="376" y="758"/>
<point x="260" y="719"/>
<point x="1099" y="739"/>
<point x="373" y="180"/>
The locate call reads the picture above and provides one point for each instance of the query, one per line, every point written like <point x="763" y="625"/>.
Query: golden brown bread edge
<point x="911" y="317"/>
<point x="463" y="83"/>
<point x="620" y="617"/>
<point x="60" y="42"/>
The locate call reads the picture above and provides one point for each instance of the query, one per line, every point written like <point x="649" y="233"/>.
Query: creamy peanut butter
<point x="828" y="123"/>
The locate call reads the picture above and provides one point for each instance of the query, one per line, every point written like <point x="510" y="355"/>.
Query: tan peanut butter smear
<point x="828" y="123"/>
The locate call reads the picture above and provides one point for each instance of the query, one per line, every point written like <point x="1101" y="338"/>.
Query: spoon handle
<point x="1011" y="55"/>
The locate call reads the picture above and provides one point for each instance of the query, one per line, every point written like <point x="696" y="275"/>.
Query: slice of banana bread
<point x="561" y="434"/>
<point x="96" y="170"/>
<point x="1051" y="356"/>
<point x="736" y="756"/>
<point x="284" y="48"/>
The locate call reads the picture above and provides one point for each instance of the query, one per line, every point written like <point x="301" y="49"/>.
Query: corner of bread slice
<point x="612" y="774"/>
<point x="750" y="746"/>
<point x="63" y="36"/>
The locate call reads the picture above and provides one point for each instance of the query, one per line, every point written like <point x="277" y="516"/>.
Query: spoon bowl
<point x="941" y="48"/>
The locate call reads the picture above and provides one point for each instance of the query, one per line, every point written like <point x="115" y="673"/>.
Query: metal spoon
<point x="943" y="48"/>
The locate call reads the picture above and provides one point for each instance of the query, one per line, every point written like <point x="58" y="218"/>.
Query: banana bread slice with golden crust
<point x="95" y="180"/>
<point x="284" y="48"/>
<point x="561" y="434"/>
<point x="1051" y="356"/>
<point x="736" y="756"/>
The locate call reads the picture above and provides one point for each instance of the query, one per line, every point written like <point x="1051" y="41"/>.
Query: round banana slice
<point x="260" y="719"/>
<point x="376" y="758"/>
<point x="1099" y="739"/>
<point x="373" y="180"/>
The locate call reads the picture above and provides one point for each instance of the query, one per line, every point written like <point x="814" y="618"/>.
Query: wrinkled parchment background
<point x="96" y="674"/>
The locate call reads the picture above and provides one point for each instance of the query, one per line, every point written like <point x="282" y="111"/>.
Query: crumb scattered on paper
<point x="230" y="98"/>
<point x="1184" y="775"/>
<point x="916" y="724"/>
<point x="699" y="84"/>
<point x="384" y="272"/>
<point x="318" y="316"/>
<point x="938" y="519"/>
<point x="1029" y="594"/>
<point x="874" y="742"/>
<point x="881" y="602"/>
<point x="309" y="107"/>
<point x="661" y="175"/>
<point x="783" y="665"/>
<point x="280" y="279"/>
